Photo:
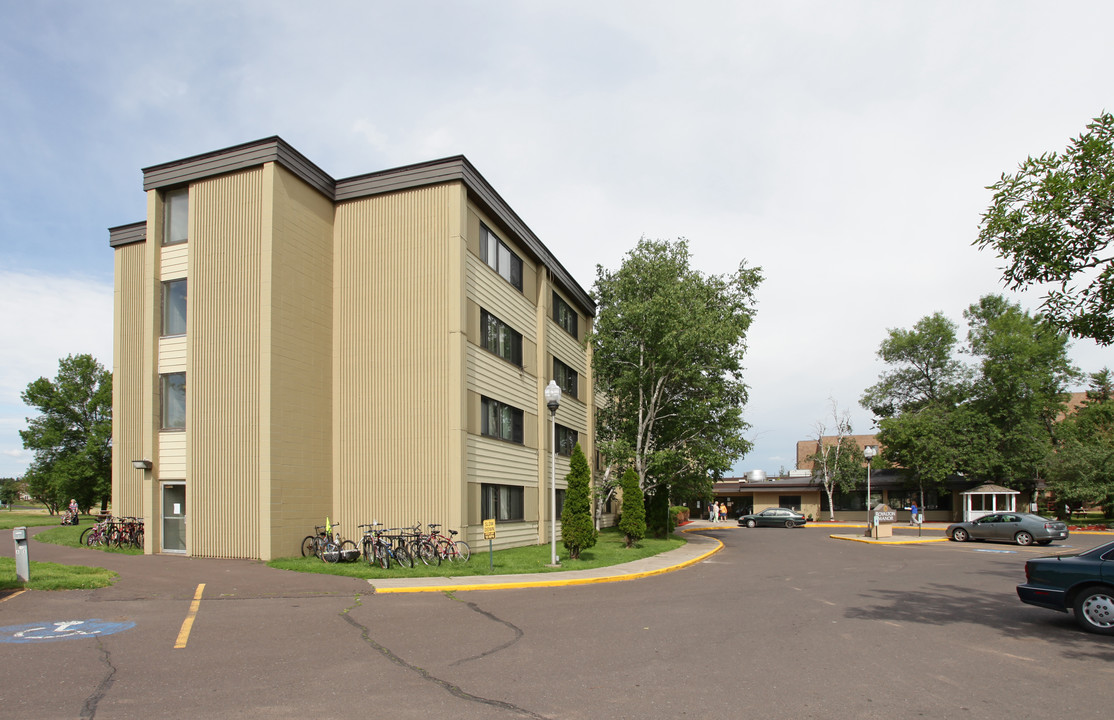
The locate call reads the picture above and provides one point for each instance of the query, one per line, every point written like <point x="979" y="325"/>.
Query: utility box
<point x="22" y="562"/>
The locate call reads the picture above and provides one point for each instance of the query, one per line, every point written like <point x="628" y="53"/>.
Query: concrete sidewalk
<point x="698" y="548"/>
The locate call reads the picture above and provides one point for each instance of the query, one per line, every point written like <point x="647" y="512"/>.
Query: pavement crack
<point x="89" y="708"/>
<point x="517" y="635"/>
<point x="454" y="690"/>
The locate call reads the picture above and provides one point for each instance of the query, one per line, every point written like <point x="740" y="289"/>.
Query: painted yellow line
<point x="187" y="624"/>
<point x="556" y="582"/>
<point x="15" y="594"/>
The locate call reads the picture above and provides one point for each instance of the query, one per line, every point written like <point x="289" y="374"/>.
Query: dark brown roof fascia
<point x="128" y="234"/>
<point x="239" y="157"/>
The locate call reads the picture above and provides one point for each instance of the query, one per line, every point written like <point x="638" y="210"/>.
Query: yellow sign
<point x="489" y="529"/>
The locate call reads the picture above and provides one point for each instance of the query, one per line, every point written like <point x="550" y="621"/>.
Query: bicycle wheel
<point x="444" y="551"/>
<point x="349" y="552"/>
<point x="403" y="556"/>
<point x="85" y="538"/>
<point x="309" y="546"/>
<point x="383" y="555"/>
<point x="330" y="553"/>
<point x="463" y="552"/>
<point x="428" y="553"/>
<point x="137" y="541"/>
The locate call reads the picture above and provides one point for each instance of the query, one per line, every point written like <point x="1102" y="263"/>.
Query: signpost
<point x="489" y="535"/>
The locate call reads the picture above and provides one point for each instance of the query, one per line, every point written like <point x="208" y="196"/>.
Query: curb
<point x="556" y="581"/>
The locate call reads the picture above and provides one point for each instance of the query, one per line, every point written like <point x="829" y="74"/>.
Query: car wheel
<point x="960" y="535"/>
<point x="751" y="523"/>
<point x="1023" y="538"/>
<point x="1094" y="610"/>
<point x="790" y="524"/>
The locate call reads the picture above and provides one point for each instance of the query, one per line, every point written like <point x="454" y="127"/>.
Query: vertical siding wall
<point x="397" y="395"/>
<point x="127" y="380"/>
<point x="297" y="393"/>
<point x="223" y="375"/>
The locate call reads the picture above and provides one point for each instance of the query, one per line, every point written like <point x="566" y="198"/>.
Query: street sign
<point x="489" y="529"/>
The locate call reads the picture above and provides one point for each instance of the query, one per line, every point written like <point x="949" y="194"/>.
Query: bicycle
<point x="336" y="549"/>
<point x="447" y="548"/>
<point x="421" y="546"/>
<point x="377" y="547"/>
<point x="96" y="534"/>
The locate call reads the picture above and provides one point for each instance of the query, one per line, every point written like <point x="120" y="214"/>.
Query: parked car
<point x="1021" y="528"/>
<point x="774" y="517"/>
<point x="1082" y="582"/>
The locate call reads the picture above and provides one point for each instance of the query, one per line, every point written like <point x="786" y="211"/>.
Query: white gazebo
<point x="987" y="499"/>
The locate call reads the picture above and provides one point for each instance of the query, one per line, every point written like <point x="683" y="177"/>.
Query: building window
<point x="560" y="501"/>
<point x="565" y="377"/>
<point x="566" y="440"/>
<point x="174" y="401"/>
<point x="176" y="220"/>
<point x="564" y="315"/>
<point x="503" y="503"/>
<point x="499" y="420"/>
<point x="500" y="338"/>
<point x="793" y="502"/>
<point x="174" y="308"/>
<point x="501" y="258"/>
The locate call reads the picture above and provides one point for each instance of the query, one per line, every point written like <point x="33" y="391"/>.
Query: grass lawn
<point x="17" y="518"/>
<point x="51" y="576"/>
<point x="69" y="535"/>
<point x="609" y="550"/>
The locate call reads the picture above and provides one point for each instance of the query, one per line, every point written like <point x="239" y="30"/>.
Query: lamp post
<point x="552" y="401"/>
<point x="868" y="453"/>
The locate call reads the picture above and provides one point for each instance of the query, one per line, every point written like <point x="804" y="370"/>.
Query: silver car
<point x="1020" y="528"/>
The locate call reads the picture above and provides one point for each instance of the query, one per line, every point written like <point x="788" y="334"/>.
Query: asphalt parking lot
<point x="781" y="623"/>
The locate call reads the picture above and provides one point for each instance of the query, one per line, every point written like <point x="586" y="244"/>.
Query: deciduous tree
<point x="838" y="464"/>
<point x="668" y="346"/>
<point x="72" y="435"/>
<point x="1053" y="222"/>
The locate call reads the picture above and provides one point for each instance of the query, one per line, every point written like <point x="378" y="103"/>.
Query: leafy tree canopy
<point x="72" y="435"/>
<point x="1052" y="222"/>
<point x="668" y="346"/>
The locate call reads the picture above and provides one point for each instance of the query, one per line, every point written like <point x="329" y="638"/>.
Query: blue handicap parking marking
<point x="1007" y="552"/>
<point x="61" y="630"/>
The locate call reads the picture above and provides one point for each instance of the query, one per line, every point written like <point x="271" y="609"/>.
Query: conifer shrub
<point x="578" y="532"/>
<point x="632" y="523"/>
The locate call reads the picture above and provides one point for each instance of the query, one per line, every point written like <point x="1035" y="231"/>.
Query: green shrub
<point x="633" y="521"/>
<point x="578" y="532"/>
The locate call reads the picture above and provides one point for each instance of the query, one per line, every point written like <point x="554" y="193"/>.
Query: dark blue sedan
<point x="1083" y="582"/>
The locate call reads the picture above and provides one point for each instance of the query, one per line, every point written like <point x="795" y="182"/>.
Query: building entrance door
<point x="174" y="517"/>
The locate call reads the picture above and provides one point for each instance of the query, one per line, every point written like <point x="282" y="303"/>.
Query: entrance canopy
<point x="987" y="499"/>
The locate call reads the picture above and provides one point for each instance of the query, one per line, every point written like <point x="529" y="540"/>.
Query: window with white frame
<point x="500" y="258"/>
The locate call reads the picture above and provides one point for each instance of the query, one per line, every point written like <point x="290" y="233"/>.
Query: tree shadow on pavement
<point x="952" y="604"/>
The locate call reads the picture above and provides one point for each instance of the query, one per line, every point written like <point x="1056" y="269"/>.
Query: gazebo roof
<point x="991" y="490"/>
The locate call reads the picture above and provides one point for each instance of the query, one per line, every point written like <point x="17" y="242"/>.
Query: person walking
<point x="914" y="514"/>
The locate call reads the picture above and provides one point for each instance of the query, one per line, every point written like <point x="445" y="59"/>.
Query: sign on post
<point x="489" y="535"/>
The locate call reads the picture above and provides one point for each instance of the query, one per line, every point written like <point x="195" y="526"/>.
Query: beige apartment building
<point x="290" y="347"/>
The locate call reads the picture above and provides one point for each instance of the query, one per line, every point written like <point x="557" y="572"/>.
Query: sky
<point x="844" y="148"/>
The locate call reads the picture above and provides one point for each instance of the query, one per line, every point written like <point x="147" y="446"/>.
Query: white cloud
<point x="45" y="318"/>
